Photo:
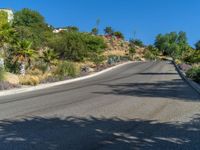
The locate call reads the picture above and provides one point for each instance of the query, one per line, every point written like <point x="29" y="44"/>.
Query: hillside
<point x="120" y="47"/>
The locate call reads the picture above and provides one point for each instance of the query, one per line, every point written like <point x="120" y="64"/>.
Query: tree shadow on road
<point x="174" y="89"/>
<point x="74" y="133"/>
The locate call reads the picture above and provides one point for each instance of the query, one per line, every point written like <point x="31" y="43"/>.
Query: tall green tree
<point x="3" y="18"/>
<point x="172" y="44"/>
<point x="29" y="18"/>
<point x="6" y="34"/>
<point x="30" y="25"/>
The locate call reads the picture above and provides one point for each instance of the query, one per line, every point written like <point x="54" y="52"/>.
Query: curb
<point x="49" y="85"/>
<point x="193" y="84"/>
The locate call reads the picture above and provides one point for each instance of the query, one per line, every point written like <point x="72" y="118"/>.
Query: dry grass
<point x="11" y="78"/>
<point x="115" y="52"/>
<point x="29" y="80"/>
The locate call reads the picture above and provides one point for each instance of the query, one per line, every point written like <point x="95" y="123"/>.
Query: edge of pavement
<point x="193" y="84"/>
<point x="49" y="85"/>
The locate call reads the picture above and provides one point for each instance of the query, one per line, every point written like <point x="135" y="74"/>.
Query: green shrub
<point x="136" y="42"/>
<point x="3" y="18"/>
<point x="191" y="56"/>
<point x="42" y="66"/>
<point x="153" y="50"/>
<point x="119" y="34"/>
<point x="149" y="55"/>
<point x="75" y="46"/>
<point x="67" y="69"/>
<point x="132" y="51"/>
<point x="194" y="73"/>
<point x="97" y="59"/>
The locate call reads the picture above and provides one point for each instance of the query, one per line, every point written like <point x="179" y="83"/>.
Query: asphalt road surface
<point x="137" y="106"/>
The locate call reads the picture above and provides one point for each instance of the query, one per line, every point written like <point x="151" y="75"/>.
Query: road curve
<point x="144" y="105"/>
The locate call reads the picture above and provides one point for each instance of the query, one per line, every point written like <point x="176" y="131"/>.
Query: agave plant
<point x="49" y="56"/>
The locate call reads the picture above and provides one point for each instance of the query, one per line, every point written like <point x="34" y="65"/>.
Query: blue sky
<point x="145" y="17"/>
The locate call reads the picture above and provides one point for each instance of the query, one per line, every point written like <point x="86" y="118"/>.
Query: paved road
<point x="137" y="106"/>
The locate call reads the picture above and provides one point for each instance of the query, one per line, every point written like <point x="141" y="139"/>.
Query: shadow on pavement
<point x="174" y="89"/>
<point x="153" y="73"/>
<point x="74" y="133"/>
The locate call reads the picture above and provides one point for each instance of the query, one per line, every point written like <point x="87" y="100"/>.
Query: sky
<point x="142" y="19"/>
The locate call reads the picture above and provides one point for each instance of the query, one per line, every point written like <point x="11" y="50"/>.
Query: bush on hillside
<point x="149" y="55"/>
<point x="132" y="51"/>
<point x="67" y="69"/>
<point x="194" y="73"/>
<point x="119" y="35"/>
<point x="75" y="46"/>
<point x="29" y="80"/>
<point x="191" y="56"/>
<point x="136" y="42"/>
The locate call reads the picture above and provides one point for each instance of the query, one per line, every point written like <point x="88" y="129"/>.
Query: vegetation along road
<point x="142" y="105"/>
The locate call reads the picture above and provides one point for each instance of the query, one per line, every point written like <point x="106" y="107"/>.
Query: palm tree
<point x="24" y="54"/>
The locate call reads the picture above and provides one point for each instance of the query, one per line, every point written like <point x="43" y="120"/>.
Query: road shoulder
<point x="193" y="84"/>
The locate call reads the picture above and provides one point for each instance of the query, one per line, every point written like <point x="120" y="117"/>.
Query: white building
<point x="9" y="12"/>
<point x="58" y="30"/>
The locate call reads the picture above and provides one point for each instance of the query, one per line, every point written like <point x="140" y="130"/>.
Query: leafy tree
<point x="191" y="56"/>
<point x="182" y="38"/>
<point x="29" y="18"/>
<point x="30" y="25"/>
<point x="6" y="34"/>
<point x="109" y="31"/>
<point x="197" y="45"/>
<point x="95" y="31"/>
<point x="3" y="18"/>
<point x="172" y="44"/>
<point x="38" y="36"/>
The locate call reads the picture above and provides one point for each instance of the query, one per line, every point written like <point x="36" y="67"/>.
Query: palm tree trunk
<point x="22" y="69"/>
